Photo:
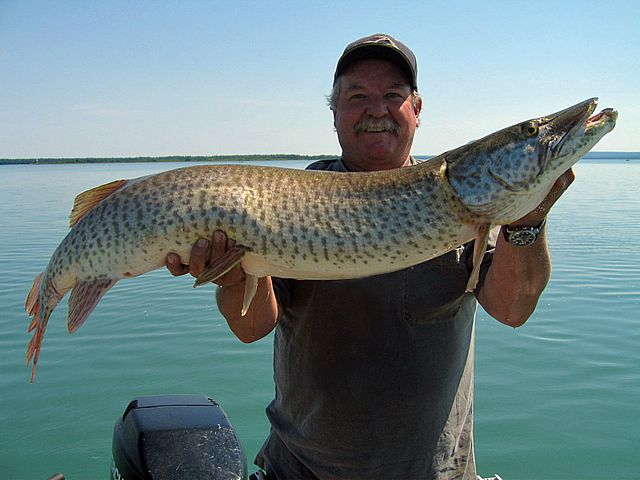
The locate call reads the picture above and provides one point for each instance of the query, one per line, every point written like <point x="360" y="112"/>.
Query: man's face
<point x="375" y="116"/>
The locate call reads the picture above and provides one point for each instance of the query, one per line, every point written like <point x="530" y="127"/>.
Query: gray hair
<point x="332" y="97"/>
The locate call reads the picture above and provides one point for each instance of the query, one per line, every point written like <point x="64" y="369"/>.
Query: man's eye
<point x="357" y="96"/>
<point x="393" y="95"/>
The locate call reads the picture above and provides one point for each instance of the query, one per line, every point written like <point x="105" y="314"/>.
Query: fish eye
<point x="530" y="129"/>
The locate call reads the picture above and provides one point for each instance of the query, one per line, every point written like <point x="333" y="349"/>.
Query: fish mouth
<point x="608" y="115"/>
<point x="579" y="117"/>
<point x="570" y="121"/>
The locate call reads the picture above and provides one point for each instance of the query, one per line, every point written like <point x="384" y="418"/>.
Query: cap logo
<point x="385" y="40"/>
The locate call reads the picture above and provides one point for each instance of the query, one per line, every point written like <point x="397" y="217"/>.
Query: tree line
<point x="170" y="158"/>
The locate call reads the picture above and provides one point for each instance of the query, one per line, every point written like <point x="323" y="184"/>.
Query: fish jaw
<point x="584" y="136"/>
<point x="505" y="175"/>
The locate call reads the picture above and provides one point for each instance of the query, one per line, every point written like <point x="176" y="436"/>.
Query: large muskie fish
<point x="309" y="224"/>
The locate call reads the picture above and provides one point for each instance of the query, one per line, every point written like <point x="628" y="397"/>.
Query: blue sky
<point x="129" y="78"/>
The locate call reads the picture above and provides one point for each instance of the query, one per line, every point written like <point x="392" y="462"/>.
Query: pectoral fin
<point x="84" y="298"/>
<point x="479" y="248"/>
<point x="250" y="288"/>
<point x="230" y="259"/>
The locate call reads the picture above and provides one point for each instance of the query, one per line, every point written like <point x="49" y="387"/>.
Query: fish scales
<point x="268" y="211"/>
<point x="318" y="221"/>
<point x="309" y="224"/>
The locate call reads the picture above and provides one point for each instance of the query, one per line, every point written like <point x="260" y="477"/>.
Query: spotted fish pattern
<point x="308" y="224"/>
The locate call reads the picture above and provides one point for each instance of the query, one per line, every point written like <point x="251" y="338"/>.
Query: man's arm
<point x="262" y="315"/>
<point x="518" y="275"/>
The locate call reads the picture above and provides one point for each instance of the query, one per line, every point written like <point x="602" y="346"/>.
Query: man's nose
<point x="376" y="107"/>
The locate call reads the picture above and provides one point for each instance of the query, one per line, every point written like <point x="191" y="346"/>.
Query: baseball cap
<point x="380" y="45"/>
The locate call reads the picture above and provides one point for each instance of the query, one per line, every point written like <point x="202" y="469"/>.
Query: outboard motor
<point x="176" y="436"/>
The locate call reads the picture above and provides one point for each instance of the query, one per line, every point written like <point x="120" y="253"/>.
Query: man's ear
<point x="417" y="108"/>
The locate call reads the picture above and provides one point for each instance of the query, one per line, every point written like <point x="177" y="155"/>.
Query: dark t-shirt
<point x="374" y="376"/>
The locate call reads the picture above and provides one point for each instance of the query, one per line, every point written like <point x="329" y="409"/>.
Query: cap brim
<point x="377" y="51"/>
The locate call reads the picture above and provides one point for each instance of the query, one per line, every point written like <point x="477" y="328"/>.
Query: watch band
<point x="522" y="236"/>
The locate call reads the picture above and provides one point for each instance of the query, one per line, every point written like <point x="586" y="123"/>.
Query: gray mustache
<point x="377" y="125"/>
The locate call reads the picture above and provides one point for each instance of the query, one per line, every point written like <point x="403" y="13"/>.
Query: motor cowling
<point x="176" y="436"/>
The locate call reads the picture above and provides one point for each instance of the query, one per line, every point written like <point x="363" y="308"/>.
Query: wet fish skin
<point x="309" y="224"/>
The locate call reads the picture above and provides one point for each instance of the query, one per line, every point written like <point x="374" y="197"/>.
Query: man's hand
<point x="203" y="253"/>
<point x="262" y="315"/>
<point x="517" y="275"/>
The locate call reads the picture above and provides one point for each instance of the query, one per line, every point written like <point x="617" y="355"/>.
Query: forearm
<point x="515" y="280"/>
<point x="261" y="317"/>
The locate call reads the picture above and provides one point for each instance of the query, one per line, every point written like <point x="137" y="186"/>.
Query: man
<point x="374" y="376"/>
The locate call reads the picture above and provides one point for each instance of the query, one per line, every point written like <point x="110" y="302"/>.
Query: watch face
<point x="522" y="238"/>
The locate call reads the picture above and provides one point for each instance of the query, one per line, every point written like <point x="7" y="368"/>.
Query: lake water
<point x="555" y="399"/>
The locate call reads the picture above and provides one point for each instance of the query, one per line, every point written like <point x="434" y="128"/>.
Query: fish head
<point x="505" y="175"/>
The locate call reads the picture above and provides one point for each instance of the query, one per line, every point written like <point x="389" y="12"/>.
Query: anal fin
<point x="84" y="298"/>
<point x="250" y="288"/>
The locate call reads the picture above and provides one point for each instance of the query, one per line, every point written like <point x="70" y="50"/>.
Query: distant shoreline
<point x="239" y="158"/>
<point x="168" y="158"/>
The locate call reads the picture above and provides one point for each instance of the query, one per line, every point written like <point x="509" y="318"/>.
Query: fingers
<point x="203" y="253"/>
<point x="199" y="257"/>
<point x="198" y="260"/>
<point x="220" y="245"/>
<point x="175" y="266"/>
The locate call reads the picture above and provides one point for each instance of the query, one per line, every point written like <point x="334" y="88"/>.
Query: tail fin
<point x="40" y="308"/>
<point x="33" y="348"/>
<point x="32" y="298"/>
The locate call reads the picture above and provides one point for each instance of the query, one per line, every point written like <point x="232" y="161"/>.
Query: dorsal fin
<point x="85" y="201"/>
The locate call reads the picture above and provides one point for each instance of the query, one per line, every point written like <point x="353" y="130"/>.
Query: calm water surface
<point x="556" y="399"/>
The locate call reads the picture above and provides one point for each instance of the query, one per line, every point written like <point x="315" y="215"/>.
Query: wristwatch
<point x="522" y="236"/>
